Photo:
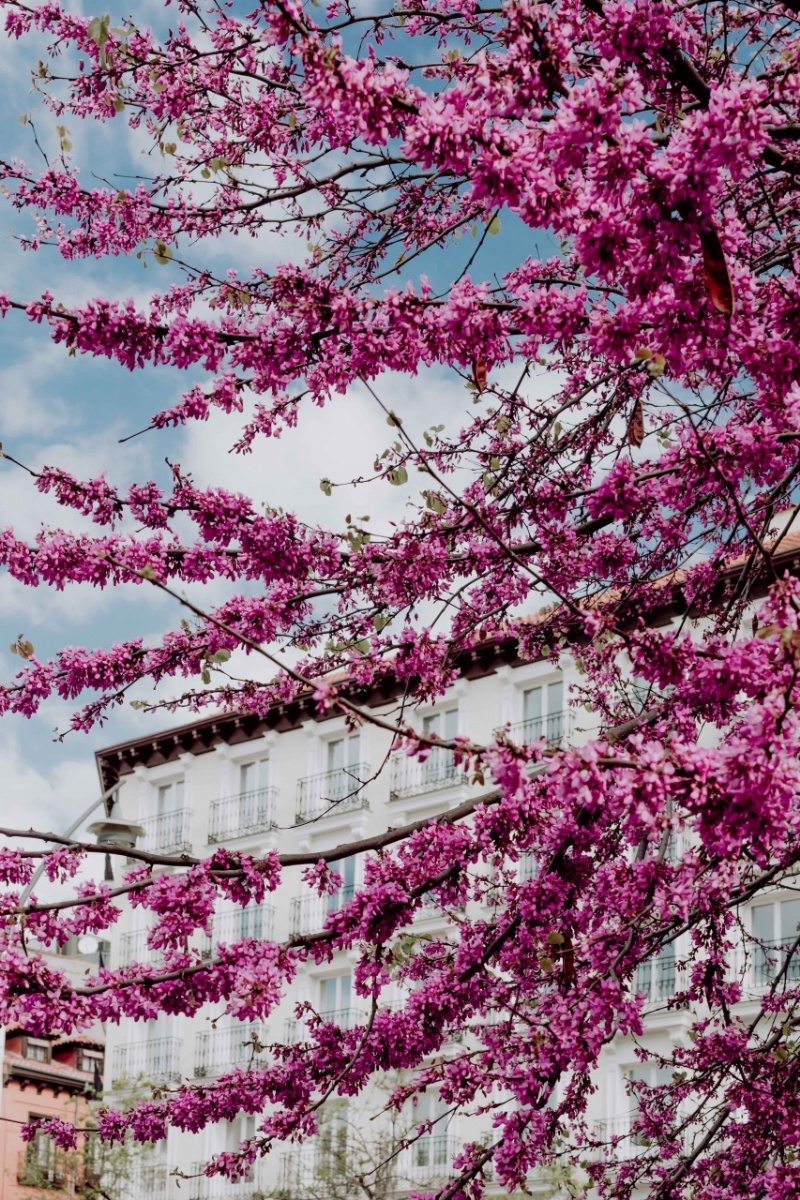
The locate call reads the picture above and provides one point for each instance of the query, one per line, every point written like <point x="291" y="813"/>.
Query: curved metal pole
<point x="37" y="874"/>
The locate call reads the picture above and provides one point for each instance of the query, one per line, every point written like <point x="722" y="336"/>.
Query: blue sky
<point x="73" y="411"/>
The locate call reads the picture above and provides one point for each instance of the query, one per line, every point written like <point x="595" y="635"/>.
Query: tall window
<point x="543" y="712"/>
<point x="439" y="764"/>
<point x="656" y="978"/>
<point x="332" y="1140"/>
<point x="335" y="999"/>
<point x="347" y="869"/>
<point x="253" y="793"/>
<point x="37" y="1050"/>
<point x="170" y="797"/>
<point x="343" y="760"/>
<point x="651" y="1076"/>
<point x="775" y="930"/>
<point x="432" y="1149"/>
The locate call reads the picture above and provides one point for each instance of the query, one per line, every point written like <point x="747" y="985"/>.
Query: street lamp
<point x="114" y="829"/>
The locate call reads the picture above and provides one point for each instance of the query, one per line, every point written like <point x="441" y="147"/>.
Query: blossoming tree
<point x="654" y="142"/>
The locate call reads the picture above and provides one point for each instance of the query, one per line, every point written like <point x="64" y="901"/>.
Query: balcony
<point x="153" y="1062"/>
<point x="617" y="1135"/>
<point x="769" y="958"/>
<point x="42" y="1166"/>
<point x="309" y="912"/>
<point x="219" y="1050"/>
<point x="430" y="1158"/>
<point x="149" y="1182"/>
<point x="169" y="832"/>
<point x="333" y="791"/>
<point x="656" y="979"/>
<point x="410" y="777"/>
<point x="345" y="1018"/>
<point x="556" y="727"/>
<point x="254" y="921"/>
<point x="218" y="1187"/>
<point x="239" y="816"/>
<point x="133" y="948"/>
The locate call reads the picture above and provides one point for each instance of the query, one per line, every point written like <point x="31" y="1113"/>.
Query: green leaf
<point x="546" y="964"/>
<point x="392" y="419"/>
<point x="380" y="622"/>
<point x="119" y="104"/>
<point x="220" y="656"/>
<point x="363" y="646"/>
<point x="434" y="502"/>
<point x="494" y="226"/>
<point x="147" y="572"/>
<point x="555" y="938"/>
<point x="23" y="119"/>
<point x="98" y="30"/>
<point x="325" y="486"/>
<point x="397" y="476"/>
<point x="163" y="253"/>
<point x="206" y="675"/>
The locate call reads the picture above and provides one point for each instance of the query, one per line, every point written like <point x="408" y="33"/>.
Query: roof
<point x="203" y="735"/>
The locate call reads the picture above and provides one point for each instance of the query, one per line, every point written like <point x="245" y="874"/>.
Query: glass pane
<point x="555" y="715"/>
<point x="555" y="696"/>
<point x="348" y="874"/>
<point x="164" y="798"/>
<point x="763" y="922"/>
<point x="451" y="724"/>
<point x="247" y="777"/>
<point x="532" y="704"/>
<point x="353" y="750"/>
<point x="336" y="755"/>
<point x="764" y="956"/>
<point x="642" y="979"/>
<point x="328" y="996"/>
<point x="431" y="724"/>
<point x="790" y="920"/>
<point x="665" y="969"/>
<point x="179" y="794"/>
<point x="344" y="990"/>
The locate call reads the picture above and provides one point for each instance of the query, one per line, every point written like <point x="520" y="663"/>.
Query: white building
<point x="287" y="782"/>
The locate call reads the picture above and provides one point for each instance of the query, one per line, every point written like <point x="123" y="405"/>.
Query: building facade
<point x="296" y="782"/>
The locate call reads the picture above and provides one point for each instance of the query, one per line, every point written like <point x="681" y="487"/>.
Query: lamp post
<point x="114" y="829"/>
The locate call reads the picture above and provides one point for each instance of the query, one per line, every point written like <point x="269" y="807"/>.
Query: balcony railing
<point x="431" y="1157"/>
<point x="555" y="727"/>
<point x="219" y="1050"/>
<point x="149" y="1182"/>
<point x="620" y="1136"/>
<point x="333" y="791"/>
<point x="770" y="957"/>
<point x="656" y="979"/>
<point x="345" y="1018"/>
<point x="238" y="816"/>
<point x="133" y="948"/>
<point x="308" y="912"/>
<point x="255" y="921"/>
<point x="169" y="832"/>
<point x="154" y="1062"/>
<point x="308" y="1170"/>
<point x="218" y="1187"/>
<point x="42" y="1166"/>
<point x="410" y="777"/>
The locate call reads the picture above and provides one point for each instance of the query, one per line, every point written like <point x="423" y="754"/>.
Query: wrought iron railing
<point x="410" y="777"/>
<point x="254" y="921"/>
<point x="619" y="1135"/>
<point x="133" y="948"/>
<point x="219" y="1187"/>
<point x="308" y="912"/>
<point x="41" y="1165"/>
<point x="657" y="978"/>
<point x="169" y="832"/>
<point x="333" y="791"/>
<point x="156" y="1061"/>
<point x="555" y="727"/>
<point x="431" y="1157"/>
<point x="218" y="1050"/>
<point x="345" y="1018"/>
<point x="238" y="816"/>
<point x="769" y="957"/>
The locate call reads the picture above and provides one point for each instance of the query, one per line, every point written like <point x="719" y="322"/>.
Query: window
<point x="41" y="1165"/>
<point x="347" y="869"/>
<point x="332" y="1140"/>
<point x="343" y="763"/>
<point x="775" y="930"/>
<point x="335" y="1000"/>
<point x="170" y="797"/>
<point x="656" y="978"/>
<point x="543" y="713"/>
<point x="37" y="1051"/>
<point x="432" y="1149"/>
<point x="89" y="1060"/>
<point x="649" y="1075"/>
<point x="439" y="764"/>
